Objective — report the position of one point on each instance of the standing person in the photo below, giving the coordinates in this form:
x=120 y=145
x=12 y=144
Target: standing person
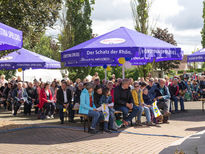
x=47 y=101
x=20 y=96
x=32 y=96
x=124 y=102
x=88 y=107
x=64 y=98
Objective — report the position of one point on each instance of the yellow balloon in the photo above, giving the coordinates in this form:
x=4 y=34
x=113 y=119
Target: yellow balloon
x=109 y=68
x=19 y=69
x=121 y=60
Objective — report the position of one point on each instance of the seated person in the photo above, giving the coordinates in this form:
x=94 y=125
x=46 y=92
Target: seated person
x=174 y=91
x=64 y=98
x=162 y=95
x=182 y=91
x=137 y=95
x=47 y=101
x=107 y=99
x=148 y=102
x=20 y=96
x=124 y=102
x=87 y=106
x=32 y=95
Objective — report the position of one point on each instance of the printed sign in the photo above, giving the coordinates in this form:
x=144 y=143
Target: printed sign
x=113 y=41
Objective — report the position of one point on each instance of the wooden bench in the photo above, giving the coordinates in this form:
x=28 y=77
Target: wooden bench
x=202 y=103
x=86 y=120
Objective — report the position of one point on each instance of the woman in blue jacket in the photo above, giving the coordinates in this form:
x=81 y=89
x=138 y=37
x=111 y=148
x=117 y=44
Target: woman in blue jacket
x=87 y=106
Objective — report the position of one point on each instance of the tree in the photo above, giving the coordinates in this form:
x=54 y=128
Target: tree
x=77 y=29
x=140 y=12
x=164 y=35
x=203 y=29
x=31 y=17
x=45 y=46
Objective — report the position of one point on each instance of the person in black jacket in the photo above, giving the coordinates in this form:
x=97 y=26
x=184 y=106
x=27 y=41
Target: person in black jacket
x=97 y=96
x=32 y=96
x=78 y=91
x=124 y=102
x=64 y=98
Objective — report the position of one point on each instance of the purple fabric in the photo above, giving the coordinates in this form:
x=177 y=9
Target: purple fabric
x=198 y=56
x=122 y=42
x=10 y=38
x=26 y=59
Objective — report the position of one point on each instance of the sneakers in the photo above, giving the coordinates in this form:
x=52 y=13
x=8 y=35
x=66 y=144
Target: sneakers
x=52 y=117
x=47 y=117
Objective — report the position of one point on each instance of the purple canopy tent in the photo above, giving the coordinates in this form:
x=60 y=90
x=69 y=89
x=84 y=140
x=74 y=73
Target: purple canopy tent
x=26 y=59
x=198 y=56
x=10 y=38
x=123 y=42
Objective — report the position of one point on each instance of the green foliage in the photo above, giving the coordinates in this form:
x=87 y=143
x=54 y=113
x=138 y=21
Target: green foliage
x=77 y=29
x=8 y=73
x=203 y=29
x=140 y=11
x=23 y=14
x=164 y=35
x=45 y=46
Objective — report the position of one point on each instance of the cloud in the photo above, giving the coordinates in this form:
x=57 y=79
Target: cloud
x=190 y=17
x=111 y=10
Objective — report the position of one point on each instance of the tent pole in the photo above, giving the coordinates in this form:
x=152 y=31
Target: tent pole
x=105 y=74
x=23 y=75
x=123 y=71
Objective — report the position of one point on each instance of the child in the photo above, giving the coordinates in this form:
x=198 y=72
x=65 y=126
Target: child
x=148 y=103
x=107 y=108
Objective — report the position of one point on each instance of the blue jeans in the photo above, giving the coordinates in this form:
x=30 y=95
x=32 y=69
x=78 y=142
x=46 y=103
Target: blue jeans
x=175 y=99
x=96 y=116
x=111 y=118
x=71 y=112
x=61 y=113
x=125 y=112
x=147 y=113
x=181 y=100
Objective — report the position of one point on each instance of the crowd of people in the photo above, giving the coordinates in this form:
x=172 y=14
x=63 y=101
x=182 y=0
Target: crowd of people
x=100 y=100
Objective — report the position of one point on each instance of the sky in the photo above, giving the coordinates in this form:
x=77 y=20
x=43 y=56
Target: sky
x=183 y=18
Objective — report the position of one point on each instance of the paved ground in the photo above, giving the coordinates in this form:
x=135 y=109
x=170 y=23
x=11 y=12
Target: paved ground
x=71 y=139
